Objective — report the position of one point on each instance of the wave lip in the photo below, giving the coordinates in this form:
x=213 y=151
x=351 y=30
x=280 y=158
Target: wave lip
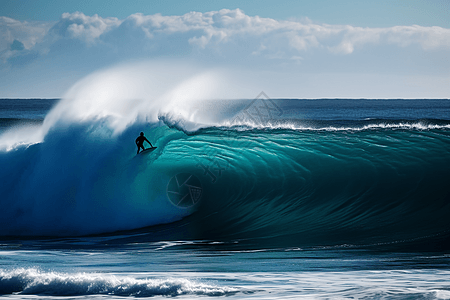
x=34 y=282
x=342 y=125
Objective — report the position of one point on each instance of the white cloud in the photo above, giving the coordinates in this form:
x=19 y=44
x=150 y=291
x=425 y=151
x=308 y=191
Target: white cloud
x=427 y=37
x=85 y=28
x=221 y=28
x=77 y=41
x=27 y=33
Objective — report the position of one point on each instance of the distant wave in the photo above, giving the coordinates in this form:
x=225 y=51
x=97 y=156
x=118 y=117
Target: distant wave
x=6 y=123
x=339 y=125
x=34 y=282
x=309 y=125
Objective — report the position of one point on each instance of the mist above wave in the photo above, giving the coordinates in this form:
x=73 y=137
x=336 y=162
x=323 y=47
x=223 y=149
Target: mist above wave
x=139 y=92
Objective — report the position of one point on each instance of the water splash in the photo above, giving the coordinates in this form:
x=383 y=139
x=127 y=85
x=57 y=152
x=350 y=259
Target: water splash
x=127 y=94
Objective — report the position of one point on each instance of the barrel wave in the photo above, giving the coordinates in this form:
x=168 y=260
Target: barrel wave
x=368 y=185
x=290 y=183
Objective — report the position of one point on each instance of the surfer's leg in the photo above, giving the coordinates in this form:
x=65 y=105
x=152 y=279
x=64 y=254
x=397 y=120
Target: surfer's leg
x=139 y=147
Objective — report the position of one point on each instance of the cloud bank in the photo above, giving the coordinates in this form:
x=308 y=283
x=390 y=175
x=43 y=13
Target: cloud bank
x=78 y=44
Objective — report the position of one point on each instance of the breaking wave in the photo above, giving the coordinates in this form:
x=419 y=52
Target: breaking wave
x=293 y=182
x=34 y=282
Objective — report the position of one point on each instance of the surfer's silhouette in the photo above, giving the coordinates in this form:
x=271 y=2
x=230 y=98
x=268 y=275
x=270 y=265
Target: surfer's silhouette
x=140 y=142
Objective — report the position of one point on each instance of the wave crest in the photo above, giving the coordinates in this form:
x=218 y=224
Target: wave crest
x=34 y=282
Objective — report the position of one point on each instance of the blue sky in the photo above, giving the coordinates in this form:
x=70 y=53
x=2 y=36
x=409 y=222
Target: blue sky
x=295 y=49
x=381 y=13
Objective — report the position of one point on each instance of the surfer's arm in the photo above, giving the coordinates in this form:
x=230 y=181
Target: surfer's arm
x=148 y=142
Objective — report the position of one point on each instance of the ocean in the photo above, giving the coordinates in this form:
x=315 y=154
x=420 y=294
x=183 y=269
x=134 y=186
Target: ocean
x=244 y=199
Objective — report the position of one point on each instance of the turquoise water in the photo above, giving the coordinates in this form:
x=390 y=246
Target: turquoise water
x=315 y=199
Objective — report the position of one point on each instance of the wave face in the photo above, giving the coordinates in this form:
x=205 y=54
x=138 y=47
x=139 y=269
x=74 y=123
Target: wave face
x=369 y=184
x=293 y=181
x=322 y=186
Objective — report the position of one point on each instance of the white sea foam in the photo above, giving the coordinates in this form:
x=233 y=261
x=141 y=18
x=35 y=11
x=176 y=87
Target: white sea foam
x=297 y=125
x=35 y=282
x=371 y=284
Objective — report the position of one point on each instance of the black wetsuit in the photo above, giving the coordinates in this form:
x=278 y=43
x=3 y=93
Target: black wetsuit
x=140 y=142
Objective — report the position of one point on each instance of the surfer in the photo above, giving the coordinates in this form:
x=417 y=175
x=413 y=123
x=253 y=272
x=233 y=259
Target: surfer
x=140 y=142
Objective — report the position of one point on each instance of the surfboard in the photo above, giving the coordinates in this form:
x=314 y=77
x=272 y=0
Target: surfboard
x=148 y=150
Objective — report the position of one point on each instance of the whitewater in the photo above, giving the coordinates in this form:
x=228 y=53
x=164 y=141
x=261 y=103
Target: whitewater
x=244 y=197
